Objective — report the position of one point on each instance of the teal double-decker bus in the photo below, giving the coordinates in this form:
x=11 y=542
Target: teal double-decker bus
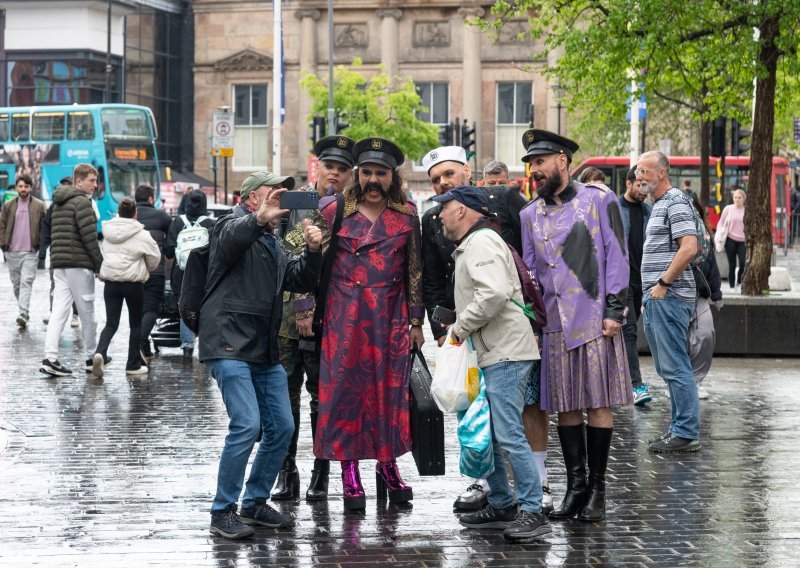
x=47 y=142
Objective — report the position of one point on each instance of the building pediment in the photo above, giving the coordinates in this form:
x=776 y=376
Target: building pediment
x=245 y=60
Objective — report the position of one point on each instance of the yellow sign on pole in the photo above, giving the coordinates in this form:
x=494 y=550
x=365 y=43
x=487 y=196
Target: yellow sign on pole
x=222 y=134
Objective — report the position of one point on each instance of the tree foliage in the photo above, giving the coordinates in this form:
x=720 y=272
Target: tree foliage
x=375 y=106
x=700 y=54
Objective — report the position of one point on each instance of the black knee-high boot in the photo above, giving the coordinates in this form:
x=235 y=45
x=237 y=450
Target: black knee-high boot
x=287 y=486
x=598 y=445
x=318 y=488
x=573 y=446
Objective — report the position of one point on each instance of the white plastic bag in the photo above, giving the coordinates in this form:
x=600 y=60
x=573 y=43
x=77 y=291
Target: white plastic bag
x=456 y=377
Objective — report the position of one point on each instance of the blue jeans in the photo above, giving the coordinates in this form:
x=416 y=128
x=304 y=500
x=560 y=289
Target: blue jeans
x=187 y=337
x=666 y=324
x=505 y=388
x=255 y=396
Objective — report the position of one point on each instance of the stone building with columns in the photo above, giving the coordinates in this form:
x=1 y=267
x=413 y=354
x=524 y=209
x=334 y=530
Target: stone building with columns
x=459 y=73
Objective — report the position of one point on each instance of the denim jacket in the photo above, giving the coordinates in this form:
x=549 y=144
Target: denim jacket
x=626 y=216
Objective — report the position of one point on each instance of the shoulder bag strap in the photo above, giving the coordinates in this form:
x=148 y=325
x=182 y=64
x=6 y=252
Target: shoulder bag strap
x=325 y=277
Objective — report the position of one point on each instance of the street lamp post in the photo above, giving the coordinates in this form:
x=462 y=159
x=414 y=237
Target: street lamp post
x=223 y=108
x=559 y=92
x=331 y=109
x=108 y=55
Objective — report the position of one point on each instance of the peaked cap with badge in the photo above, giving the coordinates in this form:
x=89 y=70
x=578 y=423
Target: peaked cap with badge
x=542 y=142
x=378 y=151
x=336 y=149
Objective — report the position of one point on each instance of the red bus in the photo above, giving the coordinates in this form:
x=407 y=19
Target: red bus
x=737 y=174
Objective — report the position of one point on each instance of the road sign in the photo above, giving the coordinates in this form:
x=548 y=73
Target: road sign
x=222 y=134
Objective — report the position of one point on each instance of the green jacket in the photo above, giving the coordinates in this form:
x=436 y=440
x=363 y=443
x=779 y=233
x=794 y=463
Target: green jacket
x=74 y=231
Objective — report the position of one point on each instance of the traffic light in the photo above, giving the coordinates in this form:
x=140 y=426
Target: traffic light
x=737 y=135
x=317 y=126
x=718 y=136
x=468 y=138
x=339 y=125
x=446 y=135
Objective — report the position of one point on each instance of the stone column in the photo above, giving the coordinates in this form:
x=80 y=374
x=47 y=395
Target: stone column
x=308 y=64
x=472 y=73
x=390 y=38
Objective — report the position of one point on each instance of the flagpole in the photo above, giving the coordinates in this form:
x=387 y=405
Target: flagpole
x=277 y=82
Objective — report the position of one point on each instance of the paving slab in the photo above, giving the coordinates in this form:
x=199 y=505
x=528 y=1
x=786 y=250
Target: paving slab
x=121 y=472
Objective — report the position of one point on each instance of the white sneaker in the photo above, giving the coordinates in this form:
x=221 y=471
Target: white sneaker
x=702 y=393
x=98 y=365
x=140 y=371
x=76 y=321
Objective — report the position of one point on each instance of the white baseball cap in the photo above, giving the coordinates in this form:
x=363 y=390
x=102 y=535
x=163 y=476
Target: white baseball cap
x=444 y=154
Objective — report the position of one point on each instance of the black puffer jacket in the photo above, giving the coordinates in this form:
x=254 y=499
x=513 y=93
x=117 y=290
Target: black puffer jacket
x=437 y=261
x=244 y=310
x=73 y=233
x=157 y=222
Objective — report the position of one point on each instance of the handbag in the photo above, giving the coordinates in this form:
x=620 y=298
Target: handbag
x=721 y=236
x=475 y=436
x=456 y=377
x=426 y=421
x=325 y=277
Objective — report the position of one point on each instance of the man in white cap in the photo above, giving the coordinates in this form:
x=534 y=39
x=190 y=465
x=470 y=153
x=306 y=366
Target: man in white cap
x=448 y=168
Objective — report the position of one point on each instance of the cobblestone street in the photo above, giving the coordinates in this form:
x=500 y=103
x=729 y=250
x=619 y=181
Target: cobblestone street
x=121 y=472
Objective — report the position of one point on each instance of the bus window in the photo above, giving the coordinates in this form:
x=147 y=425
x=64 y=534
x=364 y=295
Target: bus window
x=125 y=123
x=47 y=126
x=3 y=127
x=80 y=126
x=20 y=127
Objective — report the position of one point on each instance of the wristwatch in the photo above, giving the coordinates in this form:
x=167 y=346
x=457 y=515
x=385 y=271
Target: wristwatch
x=664 y=284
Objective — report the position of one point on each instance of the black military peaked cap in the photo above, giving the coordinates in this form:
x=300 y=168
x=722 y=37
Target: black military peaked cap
x=336 y=149
x=540 y=142
x=378 y=151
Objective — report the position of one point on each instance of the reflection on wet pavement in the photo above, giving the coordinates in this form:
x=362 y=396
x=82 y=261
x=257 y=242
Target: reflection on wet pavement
x=120 y=472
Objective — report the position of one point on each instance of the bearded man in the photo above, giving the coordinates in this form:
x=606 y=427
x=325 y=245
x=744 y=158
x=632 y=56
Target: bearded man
x=373 y=315
x=573 y=239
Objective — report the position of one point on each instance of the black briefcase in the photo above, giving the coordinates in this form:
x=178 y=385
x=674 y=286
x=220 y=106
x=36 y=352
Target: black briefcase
x=427 y=421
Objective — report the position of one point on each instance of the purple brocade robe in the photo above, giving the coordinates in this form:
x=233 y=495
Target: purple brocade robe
x=579 y=255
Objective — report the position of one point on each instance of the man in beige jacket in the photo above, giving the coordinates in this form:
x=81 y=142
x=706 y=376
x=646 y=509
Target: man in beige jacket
x=486 y=281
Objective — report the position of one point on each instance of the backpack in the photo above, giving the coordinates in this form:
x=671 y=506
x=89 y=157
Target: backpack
x=704 y=245
x=194 y=289
x=192 y=236
x=531 y=293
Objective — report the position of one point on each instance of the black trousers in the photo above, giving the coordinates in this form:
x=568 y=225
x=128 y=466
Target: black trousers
x=114 y=293
x=734 y=250
x=630 y=333
x=153 y=297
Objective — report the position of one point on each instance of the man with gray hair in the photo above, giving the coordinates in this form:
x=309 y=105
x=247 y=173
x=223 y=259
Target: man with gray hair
x=496 y=173
x=669 y=293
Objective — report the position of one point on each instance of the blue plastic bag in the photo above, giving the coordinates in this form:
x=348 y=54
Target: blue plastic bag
x=475 y=437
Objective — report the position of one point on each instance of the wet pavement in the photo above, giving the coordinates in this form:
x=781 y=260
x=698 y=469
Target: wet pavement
x=121 y=472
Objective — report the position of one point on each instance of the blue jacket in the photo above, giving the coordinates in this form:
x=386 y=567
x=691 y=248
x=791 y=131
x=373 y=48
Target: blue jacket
x=626 y=216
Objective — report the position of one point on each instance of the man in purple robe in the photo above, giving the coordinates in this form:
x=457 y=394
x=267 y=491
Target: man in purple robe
x=573 y=238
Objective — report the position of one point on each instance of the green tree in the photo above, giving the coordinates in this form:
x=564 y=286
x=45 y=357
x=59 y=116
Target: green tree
x=375 y=107
x=702 y=54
